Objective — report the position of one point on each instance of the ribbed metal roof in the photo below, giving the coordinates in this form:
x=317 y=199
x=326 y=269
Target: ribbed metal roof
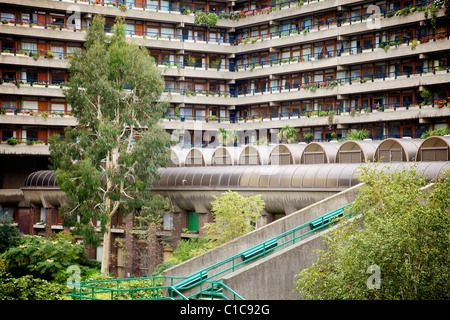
x=286 y=153
x=357 y=151
x=255 y=155
x=301 y=176
x=434 y=148
x=226 y=156
x=41 y=179
x=320 y=152
x=396 y=149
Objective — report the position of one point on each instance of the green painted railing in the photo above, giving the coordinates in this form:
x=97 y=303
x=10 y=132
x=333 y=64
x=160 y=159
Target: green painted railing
x=209 y=282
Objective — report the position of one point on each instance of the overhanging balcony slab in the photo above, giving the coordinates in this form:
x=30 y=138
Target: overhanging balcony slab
x=28 y=90
x=25 y=60
x=24 y=149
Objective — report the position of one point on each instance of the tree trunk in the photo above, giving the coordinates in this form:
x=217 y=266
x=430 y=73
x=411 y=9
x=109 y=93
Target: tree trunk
x=106 y=250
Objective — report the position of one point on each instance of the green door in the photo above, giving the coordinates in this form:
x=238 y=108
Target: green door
x=193 y=221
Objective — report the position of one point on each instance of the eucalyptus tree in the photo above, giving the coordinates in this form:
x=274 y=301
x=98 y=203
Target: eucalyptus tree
x=107 y=162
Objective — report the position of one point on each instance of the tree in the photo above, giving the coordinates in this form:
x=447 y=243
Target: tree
x=106 y=164
x=234 y=215
x=288 y=133
x=402 y=231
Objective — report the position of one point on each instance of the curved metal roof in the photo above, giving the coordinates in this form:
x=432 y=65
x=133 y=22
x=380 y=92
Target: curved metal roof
x=199 y=157
x=357 y=151
x=286 y=154
x=301 y=176
x=320 y=152
x=397 y=149
x=41 y=179
x=255 y=155
x=435 y=148
x=226 y=156
x=177 y=156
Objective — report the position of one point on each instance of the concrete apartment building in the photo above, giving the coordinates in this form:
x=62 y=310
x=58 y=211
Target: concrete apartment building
x=323 y=67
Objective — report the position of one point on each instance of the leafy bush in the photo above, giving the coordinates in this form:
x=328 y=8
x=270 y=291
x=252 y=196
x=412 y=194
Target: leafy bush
x=47 y=259
x=30 y=288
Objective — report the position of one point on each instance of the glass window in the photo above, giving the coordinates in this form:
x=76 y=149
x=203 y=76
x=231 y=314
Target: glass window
x=168 y=221
x=6 y=214
x=29 y=46
x=42 y=215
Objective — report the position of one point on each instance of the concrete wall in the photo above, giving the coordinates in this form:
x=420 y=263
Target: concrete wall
x=274 y=277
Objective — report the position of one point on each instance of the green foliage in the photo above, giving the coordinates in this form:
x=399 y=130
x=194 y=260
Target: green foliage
x=436 y=132
x=401 y=229
x=426 y=95
x=227 y=137
x=234 y=215
x=125 y=284
x=9 y=237
x=12 y=141
x=354 y=134
x=308 y=135
x=163 y=266
x=288 y=133
x=47 y=259
x=209 y=19
x=187 y=249
x=28 y=287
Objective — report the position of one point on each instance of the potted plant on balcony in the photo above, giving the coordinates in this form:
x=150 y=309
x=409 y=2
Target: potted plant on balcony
x=190 y=61
x=308 y=136
x=215 y=64
x=288 y=134
x=212 y=118
x=12 y=141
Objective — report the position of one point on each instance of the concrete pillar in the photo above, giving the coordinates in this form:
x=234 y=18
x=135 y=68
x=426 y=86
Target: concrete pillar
x=25 y=220
x=179 y=222
x=203 y=217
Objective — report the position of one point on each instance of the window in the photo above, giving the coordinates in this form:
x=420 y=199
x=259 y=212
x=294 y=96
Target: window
x=42 y=216
x=58 y=50
x=29 y=46
x=99 y=252
x=8 y=16
x=168 y=221
x=6 y=214
x=58 y=107
x=129 y=28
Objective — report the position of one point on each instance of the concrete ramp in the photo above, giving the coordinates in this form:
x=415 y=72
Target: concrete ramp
x=260 y=235
x=273 y=277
